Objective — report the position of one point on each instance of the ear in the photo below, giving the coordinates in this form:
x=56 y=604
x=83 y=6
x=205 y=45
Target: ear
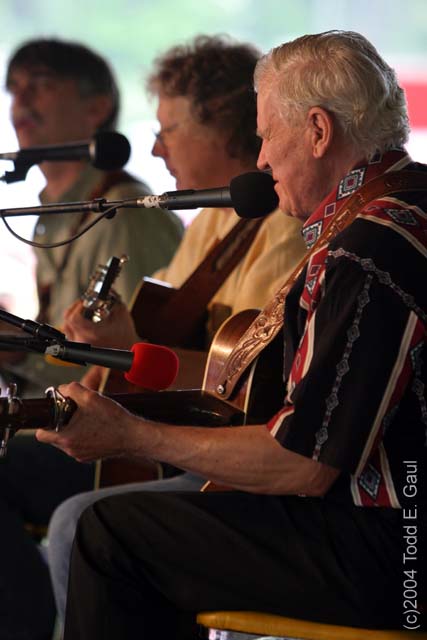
x=321 y=127
x=98 y=108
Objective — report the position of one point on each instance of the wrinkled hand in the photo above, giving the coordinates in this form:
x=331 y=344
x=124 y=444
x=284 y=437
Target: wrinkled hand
x=117 y=331
x=99 y=428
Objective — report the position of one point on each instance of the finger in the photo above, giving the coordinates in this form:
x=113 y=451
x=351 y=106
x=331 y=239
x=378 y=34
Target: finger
x=77 y=305
x=73 y=390
x=46 y=436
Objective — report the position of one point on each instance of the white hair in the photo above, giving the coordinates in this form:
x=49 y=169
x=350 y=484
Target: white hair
x=342 y=72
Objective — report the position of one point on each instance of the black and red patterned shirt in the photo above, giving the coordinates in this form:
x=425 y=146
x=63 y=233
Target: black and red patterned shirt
x=355 y=352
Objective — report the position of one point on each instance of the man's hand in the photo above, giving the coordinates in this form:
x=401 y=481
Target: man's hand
x=117 y=331
x=100 y=428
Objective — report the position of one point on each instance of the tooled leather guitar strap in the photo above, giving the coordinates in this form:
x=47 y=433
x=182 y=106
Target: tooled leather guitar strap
x=108 y=182
x=270 y=320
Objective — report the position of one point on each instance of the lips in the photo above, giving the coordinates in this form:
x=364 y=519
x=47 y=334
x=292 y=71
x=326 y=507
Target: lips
x=24 y=123
x=25 y=119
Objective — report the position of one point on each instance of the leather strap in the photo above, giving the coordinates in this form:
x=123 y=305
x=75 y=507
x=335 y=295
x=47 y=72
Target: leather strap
x=270 y=320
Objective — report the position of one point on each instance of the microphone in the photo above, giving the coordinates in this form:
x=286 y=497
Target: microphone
x=108 y=150
x=147 y=365
x=251 y=194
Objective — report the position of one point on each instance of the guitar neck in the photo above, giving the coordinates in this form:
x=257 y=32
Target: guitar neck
x=188 y=407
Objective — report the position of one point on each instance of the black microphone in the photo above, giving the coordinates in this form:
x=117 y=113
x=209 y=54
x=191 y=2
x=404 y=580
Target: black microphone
x=108 y=150
x=84 y=353
x=251 y=194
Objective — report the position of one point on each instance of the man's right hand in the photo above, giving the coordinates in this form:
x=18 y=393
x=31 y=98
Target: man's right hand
x=117 y=331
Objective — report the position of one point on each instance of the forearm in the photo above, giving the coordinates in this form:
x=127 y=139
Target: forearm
x=246 y=458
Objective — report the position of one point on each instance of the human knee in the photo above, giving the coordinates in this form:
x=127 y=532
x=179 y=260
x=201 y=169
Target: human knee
x=65 y=517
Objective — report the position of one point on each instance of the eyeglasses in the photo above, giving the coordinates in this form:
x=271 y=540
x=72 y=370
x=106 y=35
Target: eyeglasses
x=159 y=135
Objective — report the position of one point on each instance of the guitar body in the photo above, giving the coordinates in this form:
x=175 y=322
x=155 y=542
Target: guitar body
x=168 y=316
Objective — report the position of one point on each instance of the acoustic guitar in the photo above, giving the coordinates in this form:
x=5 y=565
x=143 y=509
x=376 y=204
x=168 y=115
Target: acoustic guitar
x=256 y=397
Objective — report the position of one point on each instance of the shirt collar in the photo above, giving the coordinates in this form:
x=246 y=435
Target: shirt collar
x=392 y=160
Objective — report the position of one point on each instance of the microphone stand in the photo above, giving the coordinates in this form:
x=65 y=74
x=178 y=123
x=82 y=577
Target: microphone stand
x=50 y=341
x=21 y=168
x=43 y=332
x=99 y=205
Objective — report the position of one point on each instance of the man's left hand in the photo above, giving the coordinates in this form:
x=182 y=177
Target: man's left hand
x=100 y=428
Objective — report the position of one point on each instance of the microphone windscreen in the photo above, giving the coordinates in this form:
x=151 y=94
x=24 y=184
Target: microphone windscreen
x=111 y=150
x=253 y=194
x=153 y=367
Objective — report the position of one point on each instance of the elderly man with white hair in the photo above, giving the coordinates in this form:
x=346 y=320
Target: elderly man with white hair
x=314 y=526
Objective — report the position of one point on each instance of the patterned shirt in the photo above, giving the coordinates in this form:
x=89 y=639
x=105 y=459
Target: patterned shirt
x=355 y=356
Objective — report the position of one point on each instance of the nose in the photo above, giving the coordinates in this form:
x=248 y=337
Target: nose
x=262 y=163
x=159 y=149
x=21 y=94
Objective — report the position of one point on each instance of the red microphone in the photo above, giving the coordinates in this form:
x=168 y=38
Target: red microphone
x=153 y=367
x=147 y=365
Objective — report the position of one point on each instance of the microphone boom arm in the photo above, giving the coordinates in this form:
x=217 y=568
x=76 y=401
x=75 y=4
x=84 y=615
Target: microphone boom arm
x=99 y=205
